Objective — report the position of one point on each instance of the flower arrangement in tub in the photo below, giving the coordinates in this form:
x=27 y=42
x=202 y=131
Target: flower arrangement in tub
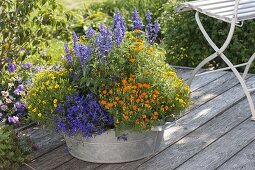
x=111 y=79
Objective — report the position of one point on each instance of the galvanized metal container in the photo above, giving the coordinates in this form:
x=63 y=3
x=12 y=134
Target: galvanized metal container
x=107 y=148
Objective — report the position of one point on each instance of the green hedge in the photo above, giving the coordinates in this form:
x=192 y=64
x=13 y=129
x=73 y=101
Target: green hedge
x=186 y=45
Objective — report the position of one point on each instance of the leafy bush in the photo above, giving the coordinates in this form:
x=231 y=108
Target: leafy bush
x=186 y=45
x=27 y=25
x=49 y=88
x=14 y=149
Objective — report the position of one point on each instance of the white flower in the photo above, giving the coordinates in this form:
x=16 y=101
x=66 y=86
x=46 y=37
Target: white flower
x=8 y=101
x=5 y=93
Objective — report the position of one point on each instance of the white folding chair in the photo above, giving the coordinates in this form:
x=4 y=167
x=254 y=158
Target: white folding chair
x=233 y=12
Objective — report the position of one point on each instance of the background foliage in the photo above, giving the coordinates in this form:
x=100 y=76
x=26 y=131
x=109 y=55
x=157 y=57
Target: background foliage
x=186 y=45
x=27 y=26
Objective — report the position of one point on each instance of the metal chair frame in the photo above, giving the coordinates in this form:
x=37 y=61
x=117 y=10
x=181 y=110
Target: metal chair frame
x=219 y=53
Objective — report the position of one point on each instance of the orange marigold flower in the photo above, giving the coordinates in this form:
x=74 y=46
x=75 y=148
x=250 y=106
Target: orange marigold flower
x=115 y=103
x=124 y=81
x=147 y=105
x=103 y=102
x=139 y=85
x=137 y=100
x=135 y=107
x=104 y=91
x=144 y=116
x=124 y=107
x=137 y=122
x=125 y=117
x=155 y=113
x=131 y=112
x=133 y=91
x=117 y=98
x=146 y=86
x=121 y=102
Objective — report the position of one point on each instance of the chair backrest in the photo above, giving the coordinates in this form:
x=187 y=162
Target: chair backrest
x=226 y=10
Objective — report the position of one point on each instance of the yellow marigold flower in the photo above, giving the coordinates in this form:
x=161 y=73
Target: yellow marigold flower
x=56 y=86
x=43 y=102
x=111 y=91
x=132 y=60
x=55 y=101
x=29 y=107
x=47 y=83
x=52 y=76
x=34 y=110
x=55 y=105
x=39 y=115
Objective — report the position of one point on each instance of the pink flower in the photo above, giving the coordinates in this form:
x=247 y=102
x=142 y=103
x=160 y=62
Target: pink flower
x=4 y=107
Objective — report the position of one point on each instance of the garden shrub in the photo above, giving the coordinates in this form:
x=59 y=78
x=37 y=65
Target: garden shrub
x=26 y=26
x=186 y=45
x=14 y=149
x=49 y=88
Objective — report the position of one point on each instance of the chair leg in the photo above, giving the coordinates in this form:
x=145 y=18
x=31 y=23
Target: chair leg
x=241 y=80
x=247 y=68
x=205 y=61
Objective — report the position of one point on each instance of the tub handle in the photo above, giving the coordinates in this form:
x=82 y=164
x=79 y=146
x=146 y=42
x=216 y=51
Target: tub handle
x=166 y=126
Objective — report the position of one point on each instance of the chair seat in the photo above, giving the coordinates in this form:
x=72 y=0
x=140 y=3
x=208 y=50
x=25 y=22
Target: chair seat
x=221 y=9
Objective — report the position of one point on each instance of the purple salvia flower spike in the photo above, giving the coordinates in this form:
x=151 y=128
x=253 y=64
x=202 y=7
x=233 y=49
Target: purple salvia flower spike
x=148 y=17
x=118 y=35
x=66 y=48
x=90 y=32
x=137 y=22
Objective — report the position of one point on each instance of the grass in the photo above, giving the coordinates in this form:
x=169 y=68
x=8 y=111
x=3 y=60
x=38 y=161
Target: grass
x=77 y=4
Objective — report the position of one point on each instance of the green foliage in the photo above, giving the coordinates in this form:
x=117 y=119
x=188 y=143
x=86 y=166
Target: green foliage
x=186 y=45
x=82 y=19
x=146 y=91
x=14 y=149
x=27 y=25
x=109 y=7
x=49 y=88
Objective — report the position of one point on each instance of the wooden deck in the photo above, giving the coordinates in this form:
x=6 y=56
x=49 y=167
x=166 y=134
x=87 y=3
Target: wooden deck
x=215 y=133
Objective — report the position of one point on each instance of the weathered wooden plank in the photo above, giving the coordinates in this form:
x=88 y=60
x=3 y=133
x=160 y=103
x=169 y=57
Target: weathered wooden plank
x=76 y=164
x=243 y=160
x=213 y=89
x=204 y=113
x=183 y=73
x=196 y=141
x=203 y=80
x=200 y=116
x=51 y=159
x=43 y=139
x=224 y=148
